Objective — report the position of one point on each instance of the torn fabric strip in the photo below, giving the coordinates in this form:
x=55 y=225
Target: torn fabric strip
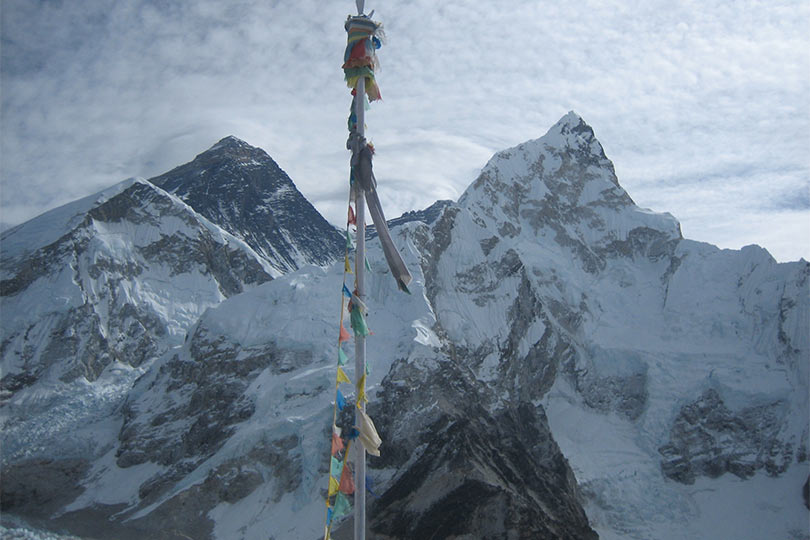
x=369 y=438
x=361 y=164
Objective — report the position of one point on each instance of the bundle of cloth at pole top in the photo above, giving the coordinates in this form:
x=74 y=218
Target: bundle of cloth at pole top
x=360 y=58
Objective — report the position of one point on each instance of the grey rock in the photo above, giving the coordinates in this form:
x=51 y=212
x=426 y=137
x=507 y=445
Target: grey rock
x=709 y=439
x=470 y=472
x=40 y=487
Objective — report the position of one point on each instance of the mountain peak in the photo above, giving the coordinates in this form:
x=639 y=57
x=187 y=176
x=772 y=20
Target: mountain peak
x=242 y=189
x=572 y=132
x=231 y=142
x=234 y=148
x=571 y=118
x=561 y=184
x=568 y=154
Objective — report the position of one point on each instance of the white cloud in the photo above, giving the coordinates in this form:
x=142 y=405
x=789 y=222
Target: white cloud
x=702 y=106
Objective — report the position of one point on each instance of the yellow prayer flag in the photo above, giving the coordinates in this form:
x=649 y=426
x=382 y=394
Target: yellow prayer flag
x=341 y=376
x=334 y=486
x=361 y=391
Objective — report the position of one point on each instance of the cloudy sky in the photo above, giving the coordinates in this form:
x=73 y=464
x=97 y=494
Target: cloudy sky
x=703 y=106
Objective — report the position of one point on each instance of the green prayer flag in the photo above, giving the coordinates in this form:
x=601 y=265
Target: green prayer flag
x=342 y=358
x=342 y=506
x=359 y=323
x=337 y=467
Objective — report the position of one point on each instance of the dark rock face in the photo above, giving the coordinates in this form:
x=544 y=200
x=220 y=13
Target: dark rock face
x=468 y=471
x=241 y=189
x=709 y=439
x=40 y=487
x=482 y=489
x=624 y=391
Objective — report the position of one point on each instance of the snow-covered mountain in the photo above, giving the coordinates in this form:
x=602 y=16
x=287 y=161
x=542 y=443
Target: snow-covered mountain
x=567 y=365
x=241 y=189
x=115 y=278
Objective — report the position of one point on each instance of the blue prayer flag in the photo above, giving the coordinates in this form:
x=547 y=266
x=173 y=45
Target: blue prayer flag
x=341 y=401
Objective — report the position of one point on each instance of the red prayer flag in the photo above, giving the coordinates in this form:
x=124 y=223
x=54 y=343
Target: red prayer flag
x=337 y=443
x=344 y=334
x=347 y=479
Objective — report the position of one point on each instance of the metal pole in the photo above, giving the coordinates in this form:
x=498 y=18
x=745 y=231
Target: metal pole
x=360 y=340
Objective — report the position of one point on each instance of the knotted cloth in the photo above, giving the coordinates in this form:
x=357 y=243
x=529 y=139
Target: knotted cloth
x=363 y=174
x=360 y=58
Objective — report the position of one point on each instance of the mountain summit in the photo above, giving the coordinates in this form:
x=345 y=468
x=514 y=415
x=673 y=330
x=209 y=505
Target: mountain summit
x=244 y=191
x=563 y=187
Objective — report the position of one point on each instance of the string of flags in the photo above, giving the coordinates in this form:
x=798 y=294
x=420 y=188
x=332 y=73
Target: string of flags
x=364 y=37
x=359 y=60
x=341 y=480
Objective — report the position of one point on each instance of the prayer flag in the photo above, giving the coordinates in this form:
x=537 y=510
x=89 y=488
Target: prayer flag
x=337 y=468
x=334 y=486
x=347 y=480
x=358 y=322
x=361 y=391
x=342 y=358
x=344 y=334
x=337 y=442
x=341 y=376
x=341 y=401
x=342 y=506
